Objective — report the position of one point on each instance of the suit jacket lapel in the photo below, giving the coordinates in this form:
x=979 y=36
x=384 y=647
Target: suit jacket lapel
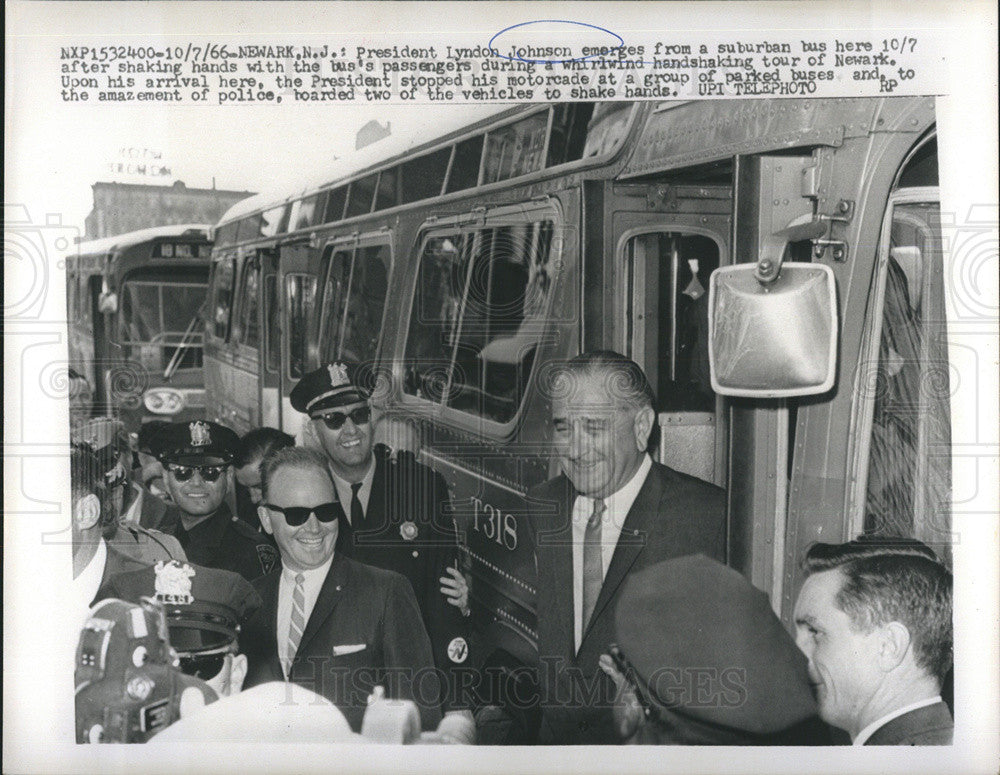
x=329 y=596
x=555 y=538
x=376 y=513
x=631 y=542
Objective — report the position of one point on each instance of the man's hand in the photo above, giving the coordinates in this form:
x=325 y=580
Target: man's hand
x=456 y=589
x=627 y=711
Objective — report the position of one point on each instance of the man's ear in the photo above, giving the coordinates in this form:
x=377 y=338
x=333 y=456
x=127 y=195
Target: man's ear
x=643 y=427
x=894 y=644
x=87 y=512
x=265 y=520
x=237 y=674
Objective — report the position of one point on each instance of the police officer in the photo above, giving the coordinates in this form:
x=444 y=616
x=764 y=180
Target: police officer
x=196 y=458
x=122 y=500
x=395 y=509
x=205 y=609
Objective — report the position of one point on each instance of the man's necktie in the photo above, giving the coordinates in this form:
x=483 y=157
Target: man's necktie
x=593 y=572
x=297 y=624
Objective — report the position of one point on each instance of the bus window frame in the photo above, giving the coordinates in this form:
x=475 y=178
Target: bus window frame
x=248 y=260
x=863 y=415
x=269 y=320
x=475 y=222
x=213 y=287
x=356 y=243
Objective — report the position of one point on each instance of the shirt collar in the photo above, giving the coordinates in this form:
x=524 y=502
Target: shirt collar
x=310 y=575
x=872 y=728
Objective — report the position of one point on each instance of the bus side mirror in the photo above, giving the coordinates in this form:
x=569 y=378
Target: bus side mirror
x=772 y=339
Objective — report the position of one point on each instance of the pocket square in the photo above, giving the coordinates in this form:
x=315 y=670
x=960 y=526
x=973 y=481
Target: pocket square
x=339 y=651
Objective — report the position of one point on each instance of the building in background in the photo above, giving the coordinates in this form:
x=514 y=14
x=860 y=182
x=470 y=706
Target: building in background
x=124 y=207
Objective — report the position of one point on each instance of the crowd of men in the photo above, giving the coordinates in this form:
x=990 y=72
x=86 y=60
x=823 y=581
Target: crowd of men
x=334 y=569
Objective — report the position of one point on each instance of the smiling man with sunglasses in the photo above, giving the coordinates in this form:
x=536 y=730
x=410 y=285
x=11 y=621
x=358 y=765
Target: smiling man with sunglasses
x=328 y=623
x=395 y=514
x=196 y=458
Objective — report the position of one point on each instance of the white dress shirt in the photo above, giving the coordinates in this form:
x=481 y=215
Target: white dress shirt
x=616 y=509
x=286 y=587
x=875 y=726
x=364 y=492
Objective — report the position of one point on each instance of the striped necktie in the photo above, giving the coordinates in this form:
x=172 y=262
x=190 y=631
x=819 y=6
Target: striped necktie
x=297 y=624
x=593 y=570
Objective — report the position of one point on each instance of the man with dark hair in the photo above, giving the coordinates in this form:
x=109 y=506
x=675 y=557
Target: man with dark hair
x=874 y=620
x=610 y=514
x=197 y=457
x=328 y=623
x=252 y=448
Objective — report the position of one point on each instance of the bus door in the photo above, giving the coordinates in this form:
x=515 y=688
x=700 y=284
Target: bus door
x=297 y=286
x=667 y=241
x=354 y=282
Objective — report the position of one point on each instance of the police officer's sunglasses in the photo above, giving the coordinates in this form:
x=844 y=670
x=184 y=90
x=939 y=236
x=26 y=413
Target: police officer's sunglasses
x=335 y=420
x=206 y=665
x=208 y=473
x=299 y=515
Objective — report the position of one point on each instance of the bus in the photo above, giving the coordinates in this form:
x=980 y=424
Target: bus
x=135 y=303
x=467 y=267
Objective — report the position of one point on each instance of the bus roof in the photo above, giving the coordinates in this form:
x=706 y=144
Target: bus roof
x=119 y=241
x=377 y=153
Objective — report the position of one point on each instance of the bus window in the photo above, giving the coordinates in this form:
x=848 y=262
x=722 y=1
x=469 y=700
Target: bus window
x=272 y=331
x=362 y=193
x=157 y=316
x=569 y=132
x=247 y=330
x=300 y=298
x=444 y=265
x=365 y=303
x=478 y=316
x=516 y=149
x=388 y=193
x=271 y=221
x=306 y=212
x=222 y=297
x=909 y=465
x=423 y=176
x=338 y=279
x=465 y=166
x=667 y=316
x=335 y=202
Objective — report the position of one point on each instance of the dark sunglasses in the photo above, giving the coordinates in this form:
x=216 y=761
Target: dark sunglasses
x=208 y=473
x=335 y=420
x=203 y=666
x=299 y=515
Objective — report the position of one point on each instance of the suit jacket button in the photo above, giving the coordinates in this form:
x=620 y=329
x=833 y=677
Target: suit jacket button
x=416 y=553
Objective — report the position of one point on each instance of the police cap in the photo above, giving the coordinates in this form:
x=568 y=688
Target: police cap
x=205 y=607
x=704 y=643
x=196 y=443
x=336 y=384
x=108 y=439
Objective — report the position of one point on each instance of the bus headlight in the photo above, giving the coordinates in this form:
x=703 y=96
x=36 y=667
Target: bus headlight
x=163 y=401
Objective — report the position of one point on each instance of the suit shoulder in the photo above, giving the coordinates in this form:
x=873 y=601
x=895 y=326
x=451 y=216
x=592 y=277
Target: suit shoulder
x=548 y=489
x=692 y=484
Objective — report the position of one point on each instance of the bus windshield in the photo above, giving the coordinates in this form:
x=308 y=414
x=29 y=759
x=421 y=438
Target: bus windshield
x=160 y=316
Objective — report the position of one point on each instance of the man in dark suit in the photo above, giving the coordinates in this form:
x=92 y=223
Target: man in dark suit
x=874 y=620
x=328 y=623
x=395 y=511
x=611 y=513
